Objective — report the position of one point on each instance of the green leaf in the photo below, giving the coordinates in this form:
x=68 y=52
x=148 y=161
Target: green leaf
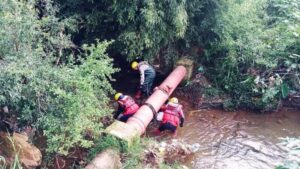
x=284 y=90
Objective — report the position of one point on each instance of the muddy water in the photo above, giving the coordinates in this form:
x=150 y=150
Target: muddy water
x=229 y=140
x=238 y=140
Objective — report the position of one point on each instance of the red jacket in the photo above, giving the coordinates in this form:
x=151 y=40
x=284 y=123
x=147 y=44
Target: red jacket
x=129 y=105
x=172 y=114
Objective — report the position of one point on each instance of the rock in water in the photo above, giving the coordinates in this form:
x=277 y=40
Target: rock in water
x=171 y=151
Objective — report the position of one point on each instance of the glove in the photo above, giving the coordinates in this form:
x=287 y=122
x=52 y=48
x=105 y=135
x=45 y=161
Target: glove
x=181 y=122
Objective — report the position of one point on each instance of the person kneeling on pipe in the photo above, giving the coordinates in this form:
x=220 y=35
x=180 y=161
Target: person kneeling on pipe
x=147 y=73
x=172 y=117
x=127 y=107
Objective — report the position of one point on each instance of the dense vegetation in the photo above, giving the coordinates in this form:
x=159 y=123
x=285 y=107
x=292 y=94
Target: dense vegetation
x=55 y=72
x=62 y=99
x=257 y=51
x=250 y=49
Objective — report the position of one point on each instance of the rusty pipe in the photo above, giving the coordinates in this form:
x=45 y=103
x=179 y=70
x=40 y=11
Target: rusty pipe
x=144 y=115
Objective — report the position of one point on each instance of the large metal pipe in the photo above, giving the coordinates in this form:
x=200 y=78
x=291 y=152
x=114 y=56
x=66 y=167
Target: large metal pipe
x=144 y=115
x=137 y=124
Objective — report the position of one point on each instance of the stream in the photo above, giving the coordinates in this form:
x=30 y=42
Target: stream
x=232 y=140
x=229 y=140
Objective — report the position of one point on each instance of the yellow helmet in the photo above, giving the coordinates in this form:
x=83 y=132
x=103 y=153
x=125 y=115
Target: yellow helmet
x=117 y=96
x=134 y=65
x=174 y=100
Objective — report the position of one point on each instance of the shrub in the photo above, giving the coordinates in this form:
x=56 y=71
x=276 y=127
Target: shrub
x=65 y=100
x=258 y=50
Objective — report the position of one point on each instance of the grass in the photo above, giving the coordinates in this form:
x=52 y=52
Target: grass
x=133 y=157
x=16 y=164
x=107 y=142
x=172 y=166
x=2 y=162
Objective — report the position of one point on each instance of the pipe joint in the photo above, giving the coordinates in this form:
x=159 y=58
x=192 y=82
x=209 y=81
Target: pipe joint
x=151 y=108
x=166 y=90
x=139 y=122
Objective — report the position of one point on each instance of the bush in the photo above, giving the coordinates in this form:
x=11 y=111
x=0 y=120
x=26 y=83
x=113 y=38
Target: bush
x=238 y=41
x=65 y=100
x=257 y=52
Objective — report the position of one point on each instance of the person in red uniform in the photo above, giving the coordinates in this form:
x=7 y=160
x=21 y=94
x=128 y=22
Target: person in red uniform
x=127 y=107
x=172 y=117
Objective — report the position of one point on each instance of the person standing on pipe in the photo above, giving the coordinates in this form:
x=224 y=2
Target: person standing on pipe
x=127 y=107
x=147 y=74
x=172 y=117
